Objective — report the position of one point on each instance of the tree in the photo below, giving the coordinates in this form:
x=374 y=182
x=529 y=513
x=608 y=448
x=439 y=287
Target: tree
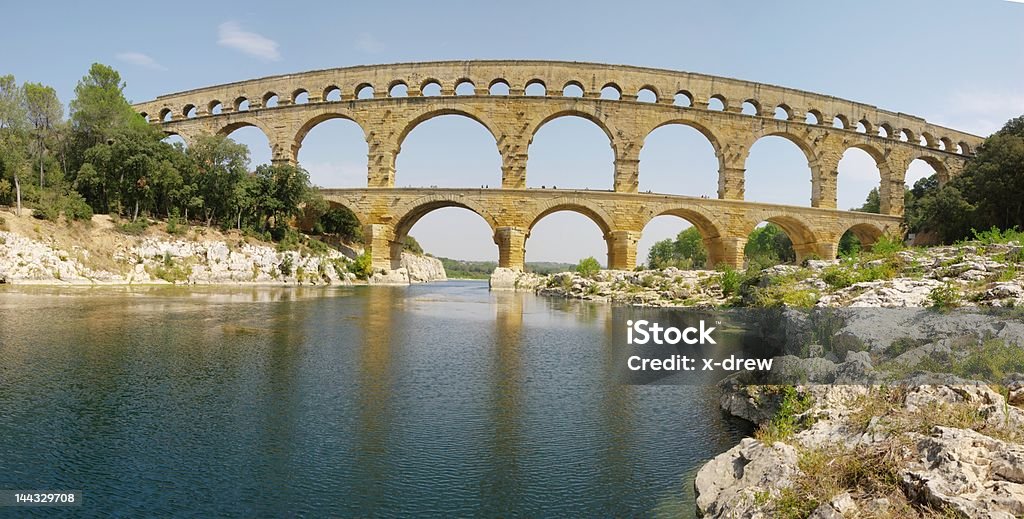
x=587 y=267
x=13 y=124
x=99 y=110
x=686 y=251
x=44 y=113
x=873 y=203
x=219 y=163
x=769 y=245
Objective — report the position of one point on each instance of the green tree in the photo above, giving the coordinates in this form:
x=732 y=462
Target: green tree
x=219 y=164
x=588 y=267
x=873 y=204
x=686 y=251
x=769 y=245
x=45 y=113
x=13 y=128
x=99 y=108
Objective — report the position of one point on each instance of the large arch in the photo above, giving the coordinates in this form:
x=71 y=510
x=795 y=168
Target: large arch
x=550 y=164
x=680 y=145
x=255 y=137
x=772 y=168
x=710 y=233
x=333 y=149
x=801 y=236
x=858 y=172
x=448 y=149
x=567 y=234
x=412 y=212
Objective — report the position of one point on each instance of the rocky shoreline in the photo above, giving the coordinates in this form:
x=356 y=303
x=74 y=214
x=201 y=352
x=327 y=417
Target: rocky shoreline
x=36 y=252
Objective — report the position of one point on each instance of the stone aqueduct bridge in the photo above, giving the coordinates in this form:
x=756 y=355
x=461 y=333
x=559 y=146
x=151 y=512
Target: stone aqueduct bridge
x=823 y=127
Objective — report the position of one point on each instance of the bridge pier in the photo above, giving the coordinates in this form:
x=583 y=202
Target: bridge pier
x=815 y=250
x=511 y=242
x=724 y=251
x=622 y=249
x=377 y=242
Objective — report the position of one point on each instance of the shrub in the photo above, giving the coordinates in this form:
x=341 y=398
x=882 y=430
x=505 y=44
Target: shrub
x=995 y=235
x=411 y=245
x=730 y=281
x=887 y=245
x=136 y=228
x=944 y=297
x=286 y=265
x=786 y=420
x=174 y=226
x=588 y=267
x=48 y=207
x=362 y=266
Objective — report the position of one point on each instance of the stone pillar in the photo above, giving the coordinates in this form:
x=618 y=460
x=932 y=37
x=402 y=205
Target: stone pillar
x=815 y=250
x=284 y=151
x=732 y=166
x=824 y=175
x=724 y=251
x=627 y=167
x=377 y=240
x=511 y=242
x=622 y=249
x=730 y=183
x=891 y=190
x=513 y=171
x=381 y=166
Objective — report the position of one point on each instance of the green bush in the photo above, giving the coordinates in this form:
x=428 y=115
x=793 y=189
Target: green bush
x=136 y=228
x=588 y=267
x=730 y=281
x=887 y=245
x=286 y=265
x=945 y=297
x=174 y=223
x=362 y=266
x=995 y=235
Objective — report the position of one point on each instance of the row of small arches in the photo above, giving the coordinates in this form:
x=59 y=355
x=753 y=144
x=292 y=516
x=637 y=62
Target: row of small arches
x=611 y=91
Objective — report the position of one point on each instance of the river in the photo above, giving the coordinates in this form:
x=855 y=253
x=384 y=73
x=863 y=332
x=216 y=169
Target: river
x=443 y=399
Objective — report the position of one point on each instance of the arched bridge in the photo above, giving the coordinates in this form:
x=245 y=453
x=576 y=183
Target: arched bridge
x=513 y=99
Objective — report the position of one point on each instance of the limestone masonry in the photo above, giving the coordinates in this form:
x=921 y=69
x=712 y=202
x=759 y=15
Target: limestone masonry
x=823 y=127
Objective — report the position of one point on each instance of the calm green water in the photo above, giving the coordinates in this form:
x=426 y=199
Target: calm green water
x=431 y=400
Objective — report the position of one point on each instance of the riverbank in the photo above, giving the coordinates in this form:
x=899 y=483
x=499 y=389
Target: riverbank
x=106 y=252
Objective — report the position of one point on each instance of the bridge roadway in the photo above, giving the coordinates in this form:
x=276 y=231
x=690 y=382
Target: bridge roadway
x=388 y=214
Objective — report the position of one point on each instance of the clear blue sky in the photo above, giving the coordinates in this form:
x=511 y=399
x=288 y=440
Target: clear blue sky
x=958 y=63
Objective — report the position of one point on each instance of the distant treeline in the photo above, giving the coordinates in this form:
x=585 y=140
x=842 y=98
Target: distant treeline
x=460 y=269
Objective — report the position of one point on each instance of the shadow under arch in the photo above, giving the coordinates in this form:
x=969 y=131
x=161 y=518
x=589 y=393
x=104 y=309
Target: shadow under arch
x=416 y=210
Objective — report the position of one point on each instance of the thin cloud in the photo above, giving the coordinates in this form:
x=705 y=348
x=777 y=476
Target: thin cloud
x=368 y=44
x=139 y=59
x=231 y=35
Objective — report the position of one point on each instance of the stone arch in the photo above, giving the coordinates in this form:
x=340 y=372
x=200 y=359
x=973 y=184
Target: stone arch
x=416 y=121
x=941 y=171
x=536 y=81
x=865 y=232
x=256 y=123
x=575 y=112
x=711 y=230
x=350 y=206
x=296 y=93
x=408 y=214
x=326 y=115
x=704 y=130
x=801 y=234
x=577 y=205
x=188 y=111
x=267 y=97
x=801 y=143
